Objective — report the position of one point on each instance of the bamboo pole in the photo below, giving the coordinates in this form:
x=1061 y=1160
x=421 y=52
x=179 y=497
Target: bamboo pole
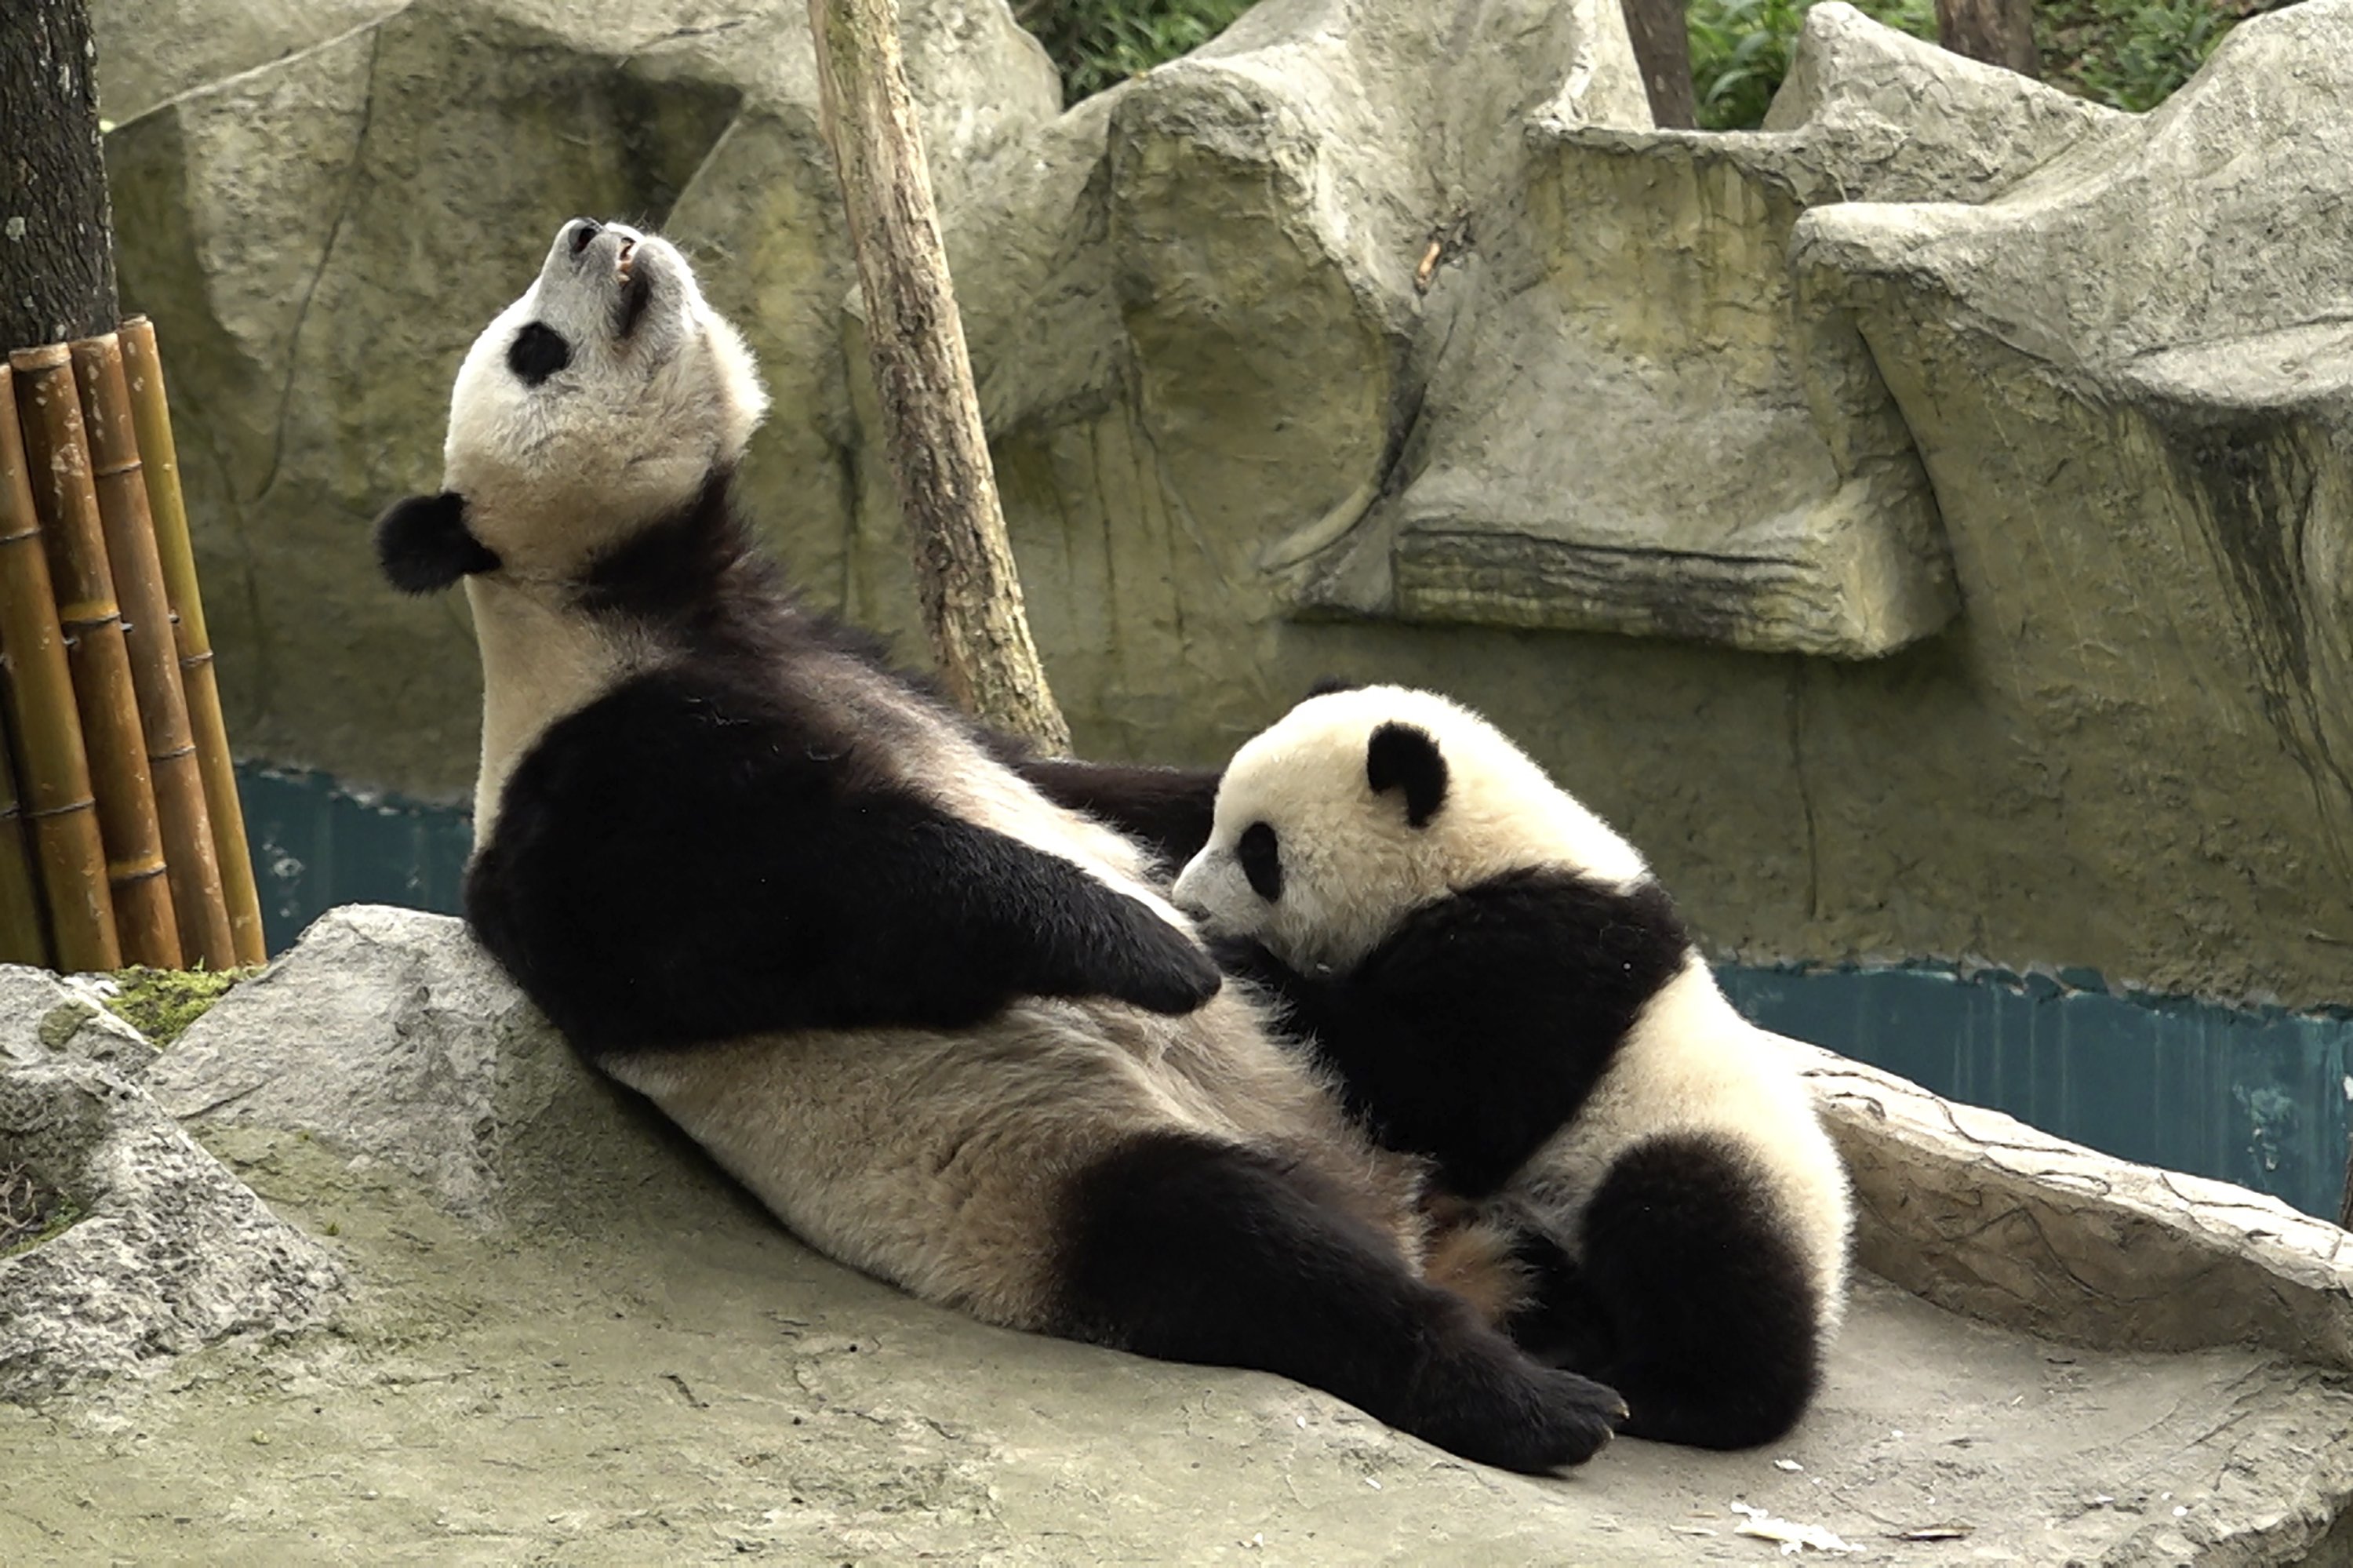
x=190 y=868
x=46 y=724
x=22 y=940
x=965 y=573
x=59 y=458
x=150 y=414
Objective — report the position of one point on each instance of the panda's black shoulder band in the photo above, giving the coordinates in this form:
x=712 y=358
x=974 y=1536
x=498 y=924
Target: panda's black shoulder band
x=424 y=546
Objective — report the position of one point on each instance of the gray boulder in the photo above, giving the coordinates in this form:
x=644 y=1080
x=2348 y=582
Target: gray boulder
x=572 y=1339
x=161 y=1250
x=394 y=1040
x=47 y=1018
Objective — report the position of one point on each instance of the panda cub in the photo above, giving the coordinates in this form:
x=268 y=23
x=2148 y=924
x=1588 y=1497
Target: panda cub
x=946 y=1028
x=1504 y=989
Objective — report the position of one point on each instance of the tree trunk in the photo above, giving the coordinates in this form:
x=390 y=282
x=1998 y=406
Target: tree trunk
x=922 y=378
x=56 y=250
x=1999 y=32
x=1663 y=48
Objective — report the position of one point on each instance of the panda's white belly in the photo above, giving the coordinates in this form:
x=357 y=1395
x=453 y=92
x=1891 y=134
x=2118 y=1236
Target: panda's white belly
x=940 y=1160
x=1692 y=1064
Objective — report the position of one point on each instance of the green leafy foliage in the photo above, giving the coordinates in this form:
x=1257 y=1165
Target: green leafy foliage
x=1097 y=43
x=2127 y=55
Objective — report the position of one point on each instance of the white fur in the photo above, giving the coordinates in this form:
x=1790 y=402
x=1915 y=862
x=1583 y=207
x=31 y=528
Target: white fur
x=553 y=473
x=628 y=430
x=1353 y=867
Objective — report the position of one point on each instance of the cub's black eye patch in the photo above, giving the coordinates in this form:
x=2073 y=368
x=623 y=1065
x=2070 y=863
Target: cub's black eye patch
x=1261 y=859
x=537 y=352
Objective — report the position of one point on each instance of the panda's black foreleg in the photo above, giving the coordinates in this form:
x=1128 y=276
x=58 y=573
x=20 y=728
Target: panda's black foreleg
x=1192 y=1250
x=1693 y=1302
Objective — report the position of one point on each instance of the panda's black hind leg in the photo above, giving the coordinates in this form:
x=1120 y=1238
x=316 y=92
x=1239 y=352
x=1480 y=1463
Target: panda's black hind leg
x=1192 y=1250
x=1690 y=1300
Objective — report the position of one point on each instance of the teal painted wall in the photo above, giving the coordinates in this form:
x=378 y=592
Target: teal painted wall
x=2253 y=1096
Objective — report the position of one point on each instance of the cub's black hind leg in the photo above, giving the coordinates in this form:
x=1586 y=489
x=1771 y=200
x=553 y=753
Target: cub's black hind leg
x=1710 y=1312
x=1191 y=1250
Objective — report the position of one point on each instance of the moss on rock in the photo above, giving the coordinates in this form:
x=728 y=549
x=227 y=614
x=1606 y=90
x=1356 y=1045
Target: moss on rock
x=161 y=1003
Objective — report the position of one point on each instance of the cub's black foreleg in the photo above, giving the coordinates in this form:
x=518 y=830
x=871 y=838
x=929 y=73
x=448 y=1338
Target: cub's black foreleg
x=1192 y=1250
x=1689 y=1299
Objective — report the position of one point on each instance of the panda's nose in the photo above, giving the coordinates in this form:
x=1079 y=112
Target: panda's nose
x=579 y=232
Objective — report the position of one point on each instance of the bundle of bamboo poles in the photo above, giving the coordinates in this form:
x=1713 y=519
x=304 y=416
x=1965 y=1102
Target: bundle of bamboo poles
x=121 y=839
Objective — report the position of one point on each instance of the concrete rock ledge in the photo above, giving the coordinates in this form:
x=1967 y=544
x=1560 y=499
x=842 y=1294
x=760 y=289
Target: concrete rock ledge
x=161 y=1251
x=566 y=1337
x=1980 y=1213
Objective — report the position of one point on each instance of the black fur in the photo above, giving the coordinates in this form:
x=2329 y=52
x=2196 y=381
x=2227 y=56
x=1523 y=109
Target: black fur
x=1478 y=1025
x=1170 y=809
x=538 y=352
x=1190 y=1250
x=1701 y=1311
x=1402 y=755
x=423 y=544
x=708 y=851
x=1260 y=855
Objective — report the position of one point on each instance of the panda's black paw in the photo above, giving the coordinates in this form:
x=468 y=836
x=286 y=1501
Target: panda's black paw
x=1507 y=1411
x=1159 y=968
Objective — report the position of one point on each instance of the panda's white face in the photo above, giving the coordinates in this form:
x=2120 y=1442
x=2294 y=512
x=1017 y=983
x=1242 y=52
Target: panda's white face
x=604 y=397
x=1360 y=806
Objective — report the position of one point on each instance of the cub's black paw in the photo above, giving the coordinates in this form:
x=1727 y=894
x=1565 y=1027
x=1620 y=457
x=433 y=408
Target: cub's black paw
x=1506 y=1411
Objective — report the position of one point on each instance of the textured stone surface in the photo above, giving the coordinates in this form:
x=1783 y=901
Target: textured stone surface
x=150 y=50
x=591 y=1349
x=47 y=1018
x=169 y=1252
x=1982 y=1213
x=395 y=1040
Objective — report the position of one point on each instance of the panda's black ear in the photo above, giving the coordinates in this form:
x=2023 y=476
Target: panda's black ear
x=1403 y=756
x=424 y=546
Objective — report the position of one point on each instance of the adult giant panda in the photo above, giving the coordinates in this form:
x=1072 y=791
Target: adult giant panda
x=946 y=1029
x=1504 y=988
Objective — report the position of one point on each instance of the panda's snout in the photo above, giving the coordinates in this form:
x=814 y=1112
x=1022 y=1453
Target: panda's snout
x=579 y=232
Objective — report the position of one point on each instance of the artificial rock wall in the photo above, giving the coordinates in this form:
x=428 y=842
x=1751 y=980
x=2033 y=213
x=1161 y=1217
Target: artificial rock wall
x=1922 y=524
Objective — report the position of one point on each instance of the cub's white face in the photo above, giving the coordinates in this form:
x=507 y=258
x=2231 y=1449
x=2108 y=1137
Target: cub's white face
x=1357 y=807
x=601 y=399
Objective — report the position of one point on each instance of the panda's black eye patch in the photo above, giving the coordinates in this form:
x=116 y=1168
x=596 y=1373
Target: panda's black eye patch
x=537 y=352
x=1261 y=859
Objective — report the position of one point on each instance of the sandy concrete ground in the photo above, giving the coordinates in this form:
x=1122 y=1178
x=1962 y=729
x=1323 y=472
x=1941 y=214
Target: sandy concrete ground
x=648 y=1370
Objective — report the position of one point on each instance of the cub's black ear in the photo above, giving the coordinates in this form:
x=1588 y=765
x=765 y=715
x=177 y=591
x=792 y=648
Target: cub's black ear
x=423 y=544
x=1327 y=685
x=1402 y=755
